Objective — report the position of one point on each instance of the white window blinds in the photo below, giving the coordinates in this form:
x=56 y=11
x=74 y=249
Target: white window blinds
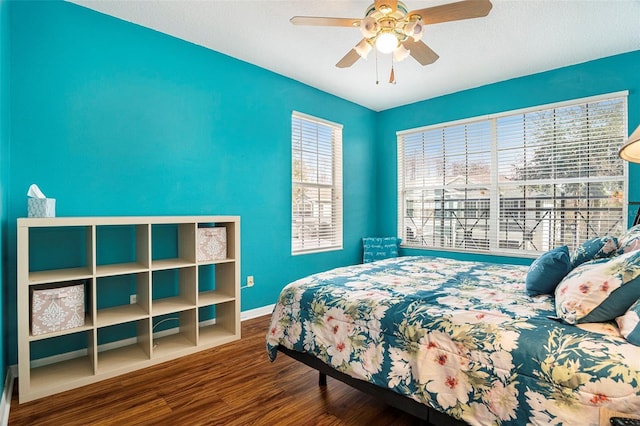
x=525 y=181
x=316 y=199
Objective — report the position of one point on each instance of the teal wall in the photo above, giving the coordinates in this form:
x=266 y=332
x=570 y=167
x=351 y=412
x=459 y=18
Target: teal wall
x=612 y=74
x=112 y=118
x=5 y=134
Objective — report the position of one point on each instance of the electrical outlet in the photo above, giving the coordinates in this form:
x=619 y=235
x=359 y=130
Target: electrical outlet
x=133 y=299
x=250 y=281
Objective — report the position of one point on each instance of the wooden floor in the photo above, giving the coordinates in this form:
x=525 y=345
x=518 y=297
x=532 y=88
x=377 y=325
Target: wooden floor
x=231 y=385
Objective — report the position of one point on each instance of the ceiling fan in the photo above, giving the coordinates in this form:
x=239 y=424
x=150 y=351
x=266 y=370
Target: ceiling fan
x=391 y=28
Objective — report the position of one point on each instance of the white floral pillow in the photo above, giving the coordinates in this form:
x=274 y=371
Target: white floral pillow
x=629 y=240
x=600 y=290
x=629 y=324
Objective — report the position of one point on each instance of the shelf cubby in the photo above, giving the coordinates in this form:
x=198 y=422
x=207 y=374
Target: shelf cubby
x=217 y=323
x=136 y=349
x=117 y=244
x=51 y=249
x=51 y=372
x=173 y=244
x=88 y=304
x=175 y=339
x=69 y=370
x=113 y=298
x=173 y=290
x=214 y=283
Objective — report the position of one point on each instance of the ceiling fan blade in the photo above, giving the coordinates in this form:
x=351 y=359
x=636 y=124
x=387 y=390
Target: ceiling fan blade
x=349 y=59
x=453 y=11
x=325 y=22
x=420 y=51
x=390 y=5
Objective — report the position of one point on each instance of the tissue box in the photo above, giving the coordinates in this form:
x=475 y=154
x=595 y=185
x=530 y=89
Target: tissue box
x=41 y=207
x=56 y=309
x=212 y=243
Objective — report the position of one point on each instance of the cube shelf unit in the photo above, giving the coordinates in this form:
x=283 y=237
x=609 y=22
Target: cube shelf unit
x=181 y=305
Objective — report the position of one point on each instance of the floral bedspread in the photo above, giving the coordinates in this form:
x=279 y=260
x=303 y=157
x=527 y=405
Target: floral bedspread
x=461 y=337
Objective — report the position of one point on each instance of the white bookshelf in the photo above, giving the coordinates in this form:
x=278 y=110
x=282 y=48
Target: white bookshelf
x=156 y=260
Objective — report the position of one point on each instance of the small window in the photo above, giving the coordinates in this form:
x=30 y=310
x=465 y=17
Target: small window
x=316 y=178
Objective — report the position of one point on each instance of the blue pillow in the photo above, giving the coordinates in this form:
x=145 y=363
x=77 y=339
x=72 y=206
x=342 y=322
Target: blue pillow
x=599 y=290
x=547 y=271
x=629 y=324
x=595 y=248
x=377 y=248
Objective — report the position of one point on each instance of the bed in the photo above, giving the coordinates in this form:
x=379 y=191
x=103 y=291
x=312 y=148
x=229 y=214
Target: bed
x=457 y=337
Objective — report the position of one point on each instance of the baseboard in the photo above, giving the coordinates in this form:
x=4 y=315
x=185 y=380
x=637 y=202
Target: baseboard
x=257 y=312
x=7 y=394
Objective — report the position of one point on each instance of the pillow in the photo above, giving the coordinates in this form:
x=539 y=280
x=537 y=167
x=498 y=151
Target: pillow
x=599 y=290
x=629 y=324
x=629 y=240
x=595 y=248
x=547 y=271
x=379 y=248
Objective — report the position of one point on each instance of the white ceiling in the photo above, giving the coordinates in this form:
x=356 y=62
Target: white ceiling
x=517 y=38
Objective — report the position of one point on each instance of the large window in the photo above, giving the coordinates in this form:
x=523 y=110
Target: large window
x=523 y=181
x=316 y=177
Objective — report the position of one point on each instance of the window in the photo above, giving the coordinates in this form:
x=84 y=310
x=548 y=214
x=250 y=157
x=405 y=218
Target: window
x=523 y=181
x=316 y=177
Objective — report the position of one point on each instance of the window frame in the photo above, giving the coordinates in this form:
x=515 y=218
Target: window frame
x=310 y=222
x=495 y=219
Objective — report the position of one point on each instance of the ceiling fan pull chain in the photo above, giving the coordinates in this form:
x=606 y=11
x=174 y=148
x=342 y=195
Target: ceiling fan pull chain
x=377 y=79
x=392 y=76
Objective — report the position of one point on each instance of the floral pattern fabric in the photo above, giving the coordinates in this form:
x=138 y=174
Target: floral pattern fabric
x=600 y=290
x=629 y=323
x=461 y=337
x=57 y=309
x=629 y=240
x=595 y=248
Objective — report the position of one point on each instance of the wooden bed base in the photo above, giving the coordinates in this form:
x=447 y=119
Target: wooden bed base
x=391 y=398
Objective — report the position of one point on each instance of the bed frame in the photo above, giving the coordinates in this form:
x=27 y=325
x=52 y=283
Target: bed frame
x=403 y=403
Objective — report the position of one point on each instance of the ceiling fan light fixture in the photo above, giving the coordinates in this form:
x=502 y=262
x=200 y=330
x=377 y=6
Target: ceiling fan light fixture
x=409 y=28
x=385 y=9
x=369 y=27
x=417 y=31
x=401 y=53
x=363 y=48
x=386 y=42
